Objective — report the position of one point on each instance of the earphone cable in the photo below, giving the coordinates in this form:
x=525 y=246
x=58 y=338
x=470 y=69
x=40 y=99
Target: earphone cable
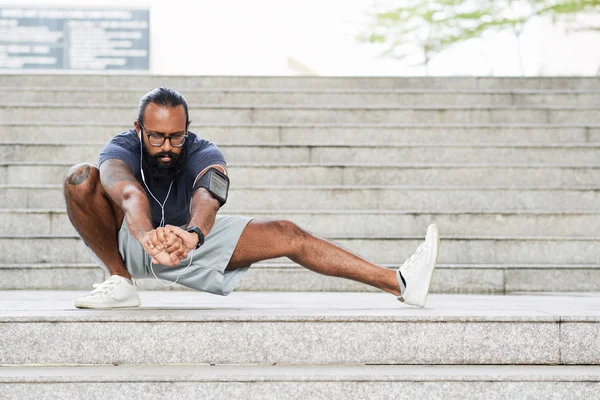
x=162 y=220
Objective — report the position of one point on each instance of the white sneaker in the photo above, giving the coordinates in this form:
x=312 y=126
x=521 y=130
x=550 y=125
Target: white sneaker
x=418 y=269
x=114 y=292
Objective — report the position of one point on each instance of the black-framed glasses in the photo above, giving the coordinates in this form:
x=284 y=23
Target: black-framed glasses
x=158 y=140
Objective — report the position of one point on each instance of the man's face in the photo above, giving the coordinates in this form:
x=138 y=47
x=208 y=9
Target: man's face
x=165 y=121
x=163 y=163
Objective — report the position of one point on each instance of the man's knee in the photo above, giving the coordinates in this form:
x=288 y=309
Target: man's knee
x=287 y=229
x=81 y=181
x=292 y=235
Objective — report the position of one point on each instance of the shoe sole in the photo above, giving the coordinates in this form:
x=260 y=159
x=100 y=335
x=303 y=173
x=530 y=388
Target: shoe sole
x=121 y=304
x=432 y=234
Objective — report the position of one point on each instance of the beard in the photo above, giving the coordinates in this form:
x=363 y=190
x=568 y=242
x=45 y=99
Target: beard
x=162 y=174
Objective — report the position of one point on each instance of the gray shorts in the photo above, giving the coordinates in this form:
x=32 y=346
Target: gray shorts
x=207 y=270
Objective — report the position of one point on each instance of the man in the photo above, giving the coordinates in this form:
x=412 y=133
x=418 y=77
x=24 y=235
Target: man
x=150 y=210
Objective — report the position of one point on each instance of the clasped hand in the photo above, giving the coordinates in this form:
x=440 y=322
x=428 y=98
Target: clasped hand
x=169 y=245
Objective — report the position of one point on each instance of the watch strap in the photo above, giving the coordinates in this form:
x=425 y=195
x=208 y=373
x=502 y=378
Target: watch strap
x=198 y=232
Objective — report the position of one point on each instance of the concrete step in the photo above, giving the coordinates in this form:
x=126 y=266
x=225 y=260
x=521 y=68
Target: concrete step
x=516 y=175
x=351 y=154
x=411 y=97
x=34 y=248
x=338 y=134
x=182 y=83
x=126 y=113
x=413 y=199
x=290 y=277
x=301 y=328
x=363 y=222
x=302 y=381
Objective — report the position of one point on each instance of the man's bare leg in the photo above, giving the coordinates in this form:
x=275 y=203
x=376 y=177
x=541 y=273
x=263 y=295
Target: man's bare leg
x=263 y=240
x=94 y=215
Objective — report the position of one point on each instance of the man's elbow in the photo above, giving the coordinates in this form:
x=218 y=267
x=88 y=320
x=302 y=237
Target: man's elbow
x=131 y=195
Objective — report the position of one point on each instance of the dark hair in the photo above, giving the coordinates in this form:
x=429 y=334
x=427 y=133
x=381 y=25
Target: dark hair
x=166 y=97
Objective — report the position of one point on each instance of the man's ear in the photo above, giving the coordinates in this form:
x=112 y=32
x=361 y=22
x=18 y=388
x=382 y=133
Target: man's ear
x=138 y=129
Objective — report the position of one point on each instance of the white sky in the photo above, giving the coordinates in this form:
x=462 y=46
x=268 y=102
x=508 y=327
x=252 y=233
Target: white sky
x=256 y=37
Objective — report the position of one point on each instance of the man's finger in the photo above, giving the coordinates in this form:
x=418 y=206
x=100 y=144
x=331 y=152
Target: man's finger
x=164 y=259
x=177 y=245
x=155 y=241
x=171 y=239
x=181 y=253
x=177 y=231
x=160 y=233
x=189 y=239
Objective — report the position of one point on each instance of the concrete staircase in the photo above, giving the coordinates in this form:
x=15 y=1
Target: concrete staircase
x=265 y=345
x=507 y=168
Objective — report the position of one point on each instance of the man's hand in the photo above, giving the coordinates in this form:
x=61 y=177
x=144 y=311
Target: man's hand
x=165 y=247
x=189 y=239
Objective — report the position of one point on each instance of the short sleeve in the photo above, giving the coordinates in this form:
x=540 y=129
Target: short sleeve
x=202 y=156
x=121 y=147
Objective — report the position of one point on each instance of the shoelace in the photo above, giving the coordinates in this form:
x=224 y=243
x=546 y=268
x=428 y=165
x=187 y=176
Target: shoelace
x=408 y=263
x=104 y=287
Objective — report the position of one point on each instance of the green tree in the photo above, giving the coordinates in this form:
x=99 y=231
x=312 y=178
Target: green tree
x=423 y=27
x=427 y=27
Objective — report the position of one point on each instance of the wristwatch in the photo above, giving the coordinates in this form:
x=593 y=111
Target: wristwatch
x=197 y=231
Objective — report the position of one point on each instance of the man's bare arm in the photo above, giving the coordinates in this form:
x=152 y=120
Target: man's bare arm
x=119 y=182
x=204 y=205
x=204 y=210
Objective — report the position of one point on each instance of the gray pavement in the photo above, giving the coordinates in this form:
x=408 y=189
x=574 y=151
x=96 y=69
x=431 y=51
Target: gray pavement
x=302 y=328
x=189 y=306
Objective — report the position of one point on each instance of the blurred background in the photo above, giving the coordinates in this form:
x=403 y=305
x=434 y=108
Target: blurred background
x=305 y=37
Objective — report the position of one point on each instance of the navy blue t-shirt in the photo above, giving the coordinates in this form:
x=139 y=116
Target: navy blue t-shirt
x=201 y=153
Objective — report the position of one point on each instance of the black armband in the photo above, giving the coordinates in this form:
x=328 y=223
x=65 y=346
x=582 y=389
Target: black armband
x=217 y=184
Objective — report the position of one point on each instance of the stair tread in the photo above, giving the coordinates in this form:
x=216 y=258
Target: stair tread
x=296 y=266
x=360 y=237
x=45 y=306
x=308 y=91
x=346 y=165
x=311 y=107
x=306 y=372
x=475 y=125
x=352 y=187
x=342 y=212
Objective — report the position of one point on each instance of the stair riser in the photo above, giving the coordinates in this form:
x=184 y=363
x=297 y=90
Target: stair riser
x=301 y=390
x=335 y=199
x=57 y=223
x=146 y=83
x=555 y=177
x=298 y=342
x=384 y=251
x=314 y=135
x=126 y=116
x=486 y=280
x=323 y=98
x=407 y=155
